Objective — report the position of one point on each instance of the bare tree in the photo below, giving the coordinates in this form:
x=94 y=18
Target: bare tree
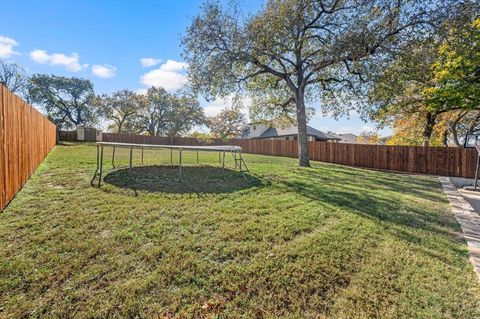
x=13 y=77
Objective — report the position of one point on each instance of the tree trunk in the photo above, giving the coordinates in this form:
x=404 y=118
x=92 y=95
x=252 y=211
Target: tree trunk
x=120 y=127
x=445 y=138
x=453 y=128
x=453 y=131
x=303 y=159
x=427 y=131
x=151 y=129
x=455 y=139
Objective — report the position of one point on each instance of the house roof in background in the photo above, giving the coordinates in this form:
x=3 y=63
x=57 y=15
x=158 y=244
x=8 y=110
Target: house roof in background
x=293 y=130
x=346 y=137
x=351 y=135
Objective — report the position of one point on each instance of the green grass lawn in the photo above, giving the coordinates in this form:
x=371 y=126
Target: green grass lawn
x=324 y=242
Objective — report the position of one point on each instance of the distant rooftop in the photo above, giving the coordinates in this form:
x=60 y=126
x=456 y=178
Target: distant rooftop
x=346 y=137
x=293 y=130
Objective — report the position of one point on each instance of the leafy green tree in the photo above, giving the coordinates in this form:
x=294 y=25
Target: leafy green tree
x=430 y=81
x=163 y=114
x=228 y=124
x=69 y=102
x=155 y=108
x=119 y=107
x=397 y=96
x=456 y=71
x=186 y=113
x=304 y=50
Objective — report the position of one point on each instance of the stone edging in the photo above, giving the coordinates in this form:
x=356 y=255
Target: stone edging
x=468 y=219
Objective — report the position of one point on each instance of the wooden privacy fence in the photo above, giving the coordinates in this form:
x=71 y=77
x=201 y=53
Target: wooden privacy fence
x=26 y=137
x=67 y=135
x=445 y=161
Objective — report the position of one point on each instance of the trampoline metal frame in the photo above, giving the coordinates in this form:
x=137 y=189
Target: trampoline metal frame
x=236 y=152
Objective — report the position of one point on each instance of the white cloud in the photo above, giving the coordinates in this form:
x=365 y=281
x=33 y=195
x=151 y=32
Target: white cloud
x=170 y=76
x=104 y=70
x=6 y=46
x=40 y=56
x=147 y=62
x=71 y=62
x=173 y=66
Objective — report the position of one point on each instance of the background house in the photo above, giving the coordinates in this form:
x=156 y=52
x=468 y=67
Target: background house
x=260 y=131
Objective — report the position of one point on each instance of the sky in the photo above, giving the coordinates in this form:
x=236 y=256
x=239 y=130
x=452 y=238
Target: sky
x=117 y=45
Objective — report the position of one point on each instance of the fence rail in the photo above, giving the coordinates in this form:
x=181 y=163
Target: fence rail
x=26 y=137
x=445 y=161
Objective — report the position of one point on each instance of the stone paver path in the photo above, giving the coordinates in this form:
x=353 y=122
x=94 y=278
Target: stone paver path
x=468 y=219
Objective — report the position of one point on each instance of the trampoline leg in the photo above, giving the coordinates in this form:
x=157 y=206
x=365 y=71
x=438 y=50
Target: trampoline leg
x=142 y=155
x=240 y=158
x=130 y=164
x=180 y=165
x=245 y=166
x=96 y=170
x=219 y=158
x=101 y=167
x=223 y=162
x=98 y=156
x=171 y=156
x=113 y=157
x=197 y=156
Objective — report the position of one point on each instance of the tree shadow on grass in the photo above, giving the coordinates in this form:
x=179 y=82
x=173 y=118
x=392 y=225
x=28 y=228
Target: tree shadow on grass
x=397 y=181
x=195 y=179
x=406 y=221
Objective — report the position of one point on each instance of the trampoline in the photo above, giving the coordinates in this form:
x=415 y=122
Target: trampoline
x=236 y=152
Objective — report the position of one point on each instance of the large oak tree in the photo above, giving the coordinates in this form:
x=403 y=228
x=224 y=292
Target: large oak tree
x=298 y=50
x=186 y=113
x=154 y=112
x=161 y=113
x=69 y=102
x=119 y=108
